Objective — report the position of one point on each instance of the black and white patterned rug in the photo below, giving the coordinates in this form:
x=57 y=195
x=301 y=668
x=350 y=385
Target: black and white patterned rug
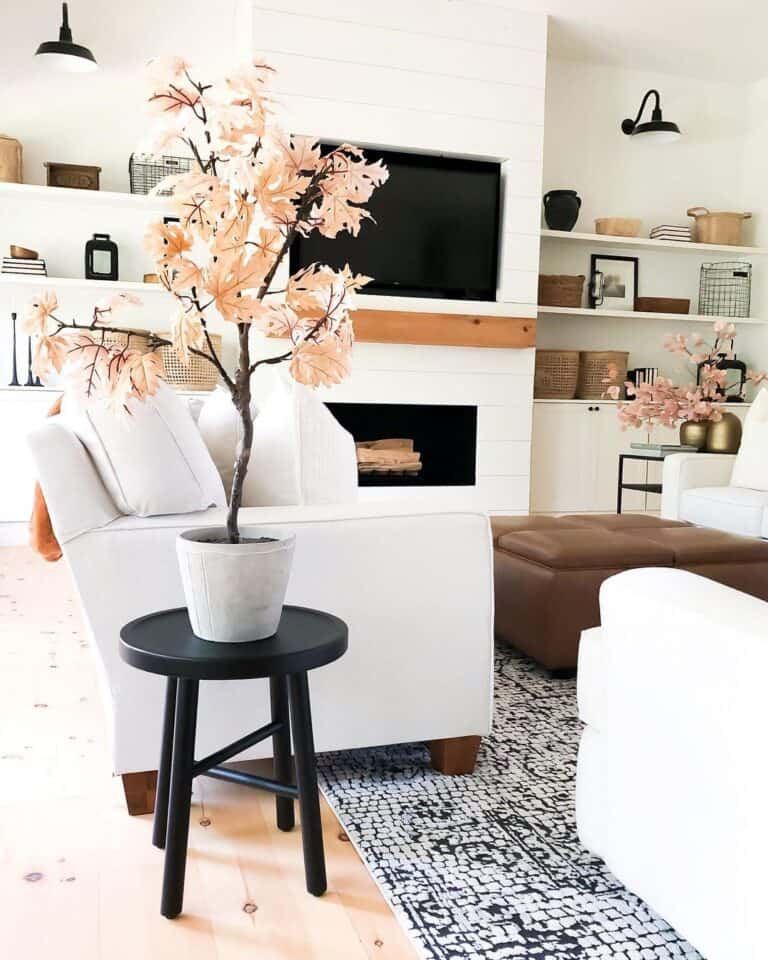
x=489 y=867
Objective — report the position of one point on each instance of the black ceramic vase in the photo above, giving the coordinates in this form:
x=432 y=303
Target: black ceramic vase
x=561 y=209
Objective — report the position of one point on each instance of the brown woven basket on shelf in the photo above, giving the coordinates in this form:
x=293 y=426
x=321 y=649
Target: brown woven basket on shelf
x=556 y=375
x=593 y=371
x=558 y=290
x=135 y=339
x=198 y=374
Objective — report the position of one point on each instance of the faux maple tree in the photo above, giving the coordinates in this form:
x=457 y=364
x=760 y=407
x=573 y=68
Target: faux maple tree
x=254 y=189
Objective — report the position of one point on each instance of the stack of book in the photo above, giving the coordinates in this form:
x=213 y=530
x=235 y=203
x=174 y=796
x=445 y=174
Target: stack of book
x=667 y=231
x=32 y=268
x=662 y=449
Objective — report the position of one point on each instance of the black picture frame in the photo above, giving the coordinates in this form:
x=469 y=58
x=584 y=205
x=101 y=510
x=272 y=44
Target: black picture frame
x=597 y=303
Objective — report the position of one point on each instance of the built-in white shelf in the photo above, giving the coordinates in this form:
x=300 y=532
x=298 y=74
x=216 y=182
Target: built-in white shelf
x=746 y=403
x=642 y=315
x=104 y=198
x=40 y=282
x=646 y=243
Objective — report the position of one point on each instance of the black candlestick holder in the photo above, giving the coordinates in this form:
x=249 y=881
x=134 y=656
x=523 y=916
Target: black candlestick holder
x=14 y=368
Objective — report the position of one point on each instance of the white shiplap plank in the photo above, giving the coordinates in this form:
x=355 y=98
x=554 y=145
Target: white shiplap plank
x=519 y=251
x=400 y=127
x=368 y=44
x=519 y=286
x=384 y=386
x=494 y=494
x=374 y=86
x=522 y=178
x=506 y=458
x=452 y=19
x=521 y=214
x=513 y=422
x=436 y=359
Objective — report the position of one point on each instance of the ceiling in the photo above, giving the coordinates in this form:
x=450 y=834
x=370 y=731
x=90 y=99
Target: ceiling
x=723 y=39
x=706 y=38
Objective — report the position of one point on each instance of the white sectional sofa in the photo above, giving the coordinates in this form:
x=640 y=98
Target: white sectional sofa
x=414 y=586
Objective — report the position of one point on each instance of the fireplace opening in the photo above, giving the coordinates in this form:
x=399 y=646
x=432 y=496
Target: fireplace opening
x=406 y=444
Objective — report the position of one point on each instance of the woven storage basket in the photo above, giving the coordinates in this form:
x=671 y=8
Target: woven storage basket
x=135 y=340
x=560 y=291
x=556 y=376
x=593 y=371
x=198 y=374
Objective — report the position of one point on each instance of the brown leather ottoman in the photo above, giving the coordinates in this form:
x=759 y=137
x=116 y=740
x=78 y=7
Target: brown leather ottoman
x=548 y=571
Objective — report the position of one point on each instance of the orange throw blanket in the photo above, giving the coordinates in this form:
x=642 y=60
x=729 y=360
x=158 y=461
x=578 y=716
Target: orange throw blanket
x=42 y=539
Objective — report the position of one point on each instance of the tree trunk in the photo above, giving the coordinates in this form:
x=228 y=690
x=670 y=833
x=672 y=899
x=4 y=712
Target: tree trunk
x=242 y=401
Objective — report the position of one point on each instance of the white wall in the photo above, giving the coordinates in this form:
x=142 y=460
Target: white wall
x=712 y=165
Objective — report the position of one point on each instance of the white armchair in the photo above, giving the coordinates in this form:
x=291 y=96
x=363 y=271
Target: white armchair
x=414 y=586
x=671 y=780
x=697 y=487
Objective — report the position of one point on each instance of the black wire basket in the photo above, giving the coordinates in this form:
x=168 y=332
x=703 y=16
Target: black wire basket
x=725 y=289
x=146 y=171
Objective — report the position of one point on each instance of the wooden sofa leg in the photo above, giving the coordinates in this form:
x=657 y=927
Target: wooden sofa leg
x=454 y=755
x=139 y=791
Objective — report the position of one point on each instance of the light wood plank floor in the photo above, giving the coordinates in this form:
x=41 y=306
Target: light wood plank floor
x=79 y=878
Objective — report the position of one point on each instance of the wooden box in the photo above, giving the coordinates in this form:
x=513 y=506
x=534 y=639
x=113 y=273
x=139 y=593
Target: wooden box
x=75 y=175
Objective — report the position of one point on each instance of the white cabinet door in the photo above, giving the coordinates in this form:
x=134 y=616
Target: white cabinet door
x=612 y=442
x=563 y=459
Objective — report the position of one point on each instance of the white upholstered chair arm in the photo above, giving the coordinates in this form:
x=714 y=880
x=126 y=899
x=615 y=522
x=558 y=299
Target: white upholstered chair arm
x=76 y=498
x=687 y=471
x=682 y=652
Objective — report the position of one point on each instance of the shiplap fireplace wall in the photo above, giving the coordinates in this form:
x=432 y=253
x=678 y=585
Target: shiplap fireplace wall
x=463 y=78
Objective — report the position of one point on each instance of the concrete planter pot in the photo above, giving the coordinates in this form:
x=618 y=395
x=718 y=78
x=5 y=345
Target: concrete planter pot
x=235 y=591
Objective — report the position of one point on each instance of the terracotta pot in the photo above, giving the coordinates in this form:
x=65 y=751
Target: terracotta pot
x=694 y=433
x=724 y=436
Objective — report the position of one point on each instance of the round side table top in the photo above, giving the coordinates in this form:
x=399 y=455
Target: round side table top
x=164 y=643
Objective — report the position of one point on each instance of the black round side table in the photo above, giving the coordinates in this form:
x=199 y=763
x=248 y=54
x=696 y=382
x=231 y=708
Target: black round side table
x=164 y=643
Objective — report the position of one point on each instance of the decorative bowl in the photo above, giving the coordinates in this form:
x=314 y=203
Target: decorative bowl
x=618 y=226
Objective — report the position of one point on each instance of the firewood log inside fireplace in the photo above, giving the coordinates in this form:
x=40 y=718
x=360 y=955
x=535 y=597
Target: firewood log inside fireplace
x=388 y=456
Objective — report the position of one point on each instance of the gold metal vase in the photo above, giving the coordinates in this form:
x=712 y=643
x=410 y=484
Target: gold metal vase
x=693 y=433
x=724 y=436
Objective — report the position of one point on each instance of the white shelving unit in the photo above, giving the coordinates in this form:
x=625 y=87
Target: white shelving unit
x=648 y=244
x=642 y=315
x=106 y=198
x=14 y=279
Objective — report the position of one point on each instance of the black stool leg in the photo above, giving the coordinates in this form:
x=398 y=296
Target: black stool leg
x=281 y=749
x=180 y=798
x=160 y=824
x=306 y=780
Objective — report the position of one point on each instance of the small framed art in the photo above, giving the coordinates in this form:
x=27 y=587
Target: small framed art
x=613 y=282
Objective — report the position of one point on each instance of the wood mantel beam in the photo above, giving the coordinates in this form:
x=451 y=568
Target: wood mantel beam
x=443 y=329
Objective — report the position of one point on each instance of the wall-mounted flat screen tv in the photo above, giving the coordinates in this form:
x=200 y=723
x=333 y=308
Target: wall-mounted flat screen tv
x=436 y=232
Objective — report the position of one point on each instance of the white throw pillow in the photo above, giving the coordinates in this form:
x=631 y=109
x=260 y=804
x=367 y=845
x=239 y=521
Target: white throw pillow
x=751 y=467
x=220 y=427
x=300 y=454
x=152 y=462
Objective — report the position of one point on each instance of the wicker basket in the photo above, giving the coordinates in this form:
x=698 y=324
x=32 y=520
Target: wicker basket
x=560 y=291
x=198 y=374
x=138 y=340
x=593 y=371
x=556 y=376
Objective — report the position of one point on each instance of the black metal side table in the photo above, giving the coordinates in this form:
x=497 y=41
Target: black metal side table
x=642 y=487
x=164 y=643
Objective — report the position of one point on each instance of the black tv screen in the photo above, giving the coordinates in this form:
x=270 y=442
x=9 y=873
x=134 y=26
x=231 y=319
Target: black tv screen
x=436 y=232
